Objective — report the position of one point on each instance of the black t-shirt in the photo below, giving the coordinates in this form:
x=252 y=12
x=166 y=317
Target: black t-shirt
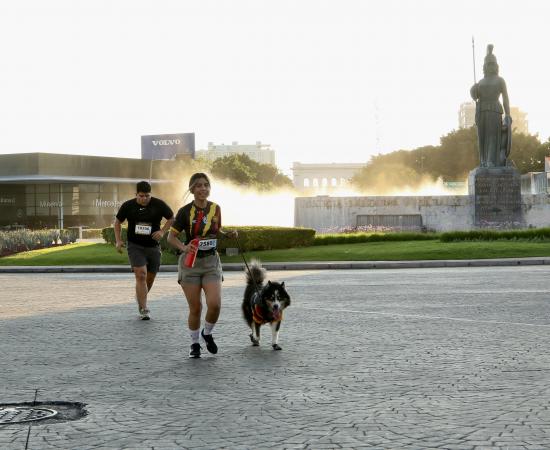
x=143 y=221
x=198 y=222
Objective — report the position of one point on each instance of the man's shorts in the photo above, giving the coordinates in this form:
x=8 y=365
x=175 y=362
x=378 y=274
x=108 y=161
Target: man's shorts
x=144 y=256
x=206 y=270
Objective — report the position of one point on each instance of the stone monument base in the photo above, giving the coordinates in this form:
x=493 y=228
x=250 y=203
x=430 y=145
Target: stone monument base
x=496 y=194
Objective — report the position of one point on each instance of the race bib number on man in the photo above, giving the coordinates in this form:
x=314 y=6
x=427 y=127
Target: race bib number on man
x=208 y=244
x=143 y=229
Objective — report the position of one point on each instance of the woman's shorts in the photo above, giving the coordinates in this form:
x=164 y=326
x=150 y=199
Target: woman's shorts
x=206 y=270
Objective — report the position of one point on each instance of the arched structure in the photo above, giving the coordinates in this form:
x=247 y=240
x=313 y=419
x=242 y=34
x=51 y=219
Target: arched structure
x=328 y=176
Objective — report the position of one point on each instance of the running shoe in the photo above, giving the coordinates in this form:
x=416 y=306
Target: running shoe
x=210 y=344
x=195 y=351
x=144 y=314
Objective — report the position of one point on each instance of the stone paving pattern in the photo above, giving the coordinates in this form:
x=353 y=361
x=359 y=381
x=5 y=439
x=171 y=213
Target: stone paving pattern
x=453 y=358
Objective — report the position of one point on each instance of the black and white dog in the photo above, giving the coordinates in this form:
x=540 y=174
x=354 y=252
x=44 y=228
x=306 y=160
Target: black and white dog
x=263 y=304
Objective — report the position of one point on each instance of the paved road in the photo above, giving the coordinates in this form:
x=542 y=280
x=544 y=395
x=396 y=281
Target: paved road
x=453 y=358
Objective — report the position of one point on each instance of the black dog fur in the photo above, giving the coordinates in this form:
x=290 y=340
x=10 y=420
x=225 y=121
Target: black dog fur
x=263 y=304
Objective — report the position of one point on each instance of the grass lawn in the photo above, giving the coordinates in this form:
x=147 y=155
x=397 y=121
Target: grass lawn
x=72 y=255
x=99 y=254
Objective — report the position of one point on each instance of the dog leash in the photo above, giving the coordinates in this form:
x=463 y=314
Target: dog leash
x=241 y=251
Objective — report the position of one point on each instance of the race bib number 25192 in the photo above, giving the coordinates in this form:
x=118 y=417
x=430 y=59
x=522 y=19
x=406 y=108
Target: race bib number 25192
x=208 y=244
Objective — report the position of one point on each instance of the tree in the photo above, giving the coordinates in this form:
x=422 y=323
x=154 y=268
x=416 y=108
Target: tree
x=384 y=177
x=242 y=170
x=528 y=153
x=452 y=160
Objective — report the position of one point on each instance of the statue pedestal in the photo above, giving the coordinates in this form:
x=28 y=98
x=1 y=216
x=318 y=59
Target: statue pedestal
x=496 y=193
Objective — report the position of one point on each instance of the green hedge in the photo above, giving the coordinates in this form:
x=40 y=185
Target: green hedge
x=532 y=234
x=355 y=238
x=92 y=233
x=250 y=238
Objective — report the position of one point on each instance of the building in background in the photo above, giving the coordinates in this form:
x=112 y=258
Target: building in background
x=467 y=117
x=261 y=153
x=168 y=146
x=47 y=190
x=323 y=176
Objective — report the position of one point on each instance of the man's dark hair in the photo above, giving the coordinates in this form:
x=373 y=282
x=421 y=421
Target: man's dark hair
x=144 y=187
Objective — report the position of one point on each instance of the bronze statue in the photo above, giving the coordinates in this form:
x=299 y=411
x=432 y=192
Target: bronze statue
x=494 y=136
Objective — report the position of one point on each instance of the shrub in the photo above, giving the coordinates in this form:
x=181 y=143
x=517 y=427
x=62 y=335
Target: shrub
x=531 y=234
x=91 y=233
x=269 y=238
x=355 y=238
x=24 y=240
x=250 y=238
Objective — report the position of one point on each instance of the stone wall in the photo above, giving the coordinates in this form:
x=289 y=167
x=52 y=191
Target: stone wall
x=439 y=213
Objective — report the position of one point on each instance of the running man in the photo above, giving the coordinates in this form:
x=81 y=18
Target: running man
x=144 y=214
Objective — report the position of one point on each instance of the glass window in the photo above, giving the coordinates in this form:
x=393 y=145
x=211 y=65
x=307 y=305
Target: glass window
x=43 y=188
x=89 y=187
x=29 y=188
x=108 y=187
x=29 y=199
x=31 y=211
x=42 y=211
x=69 y=204
x=42 y=200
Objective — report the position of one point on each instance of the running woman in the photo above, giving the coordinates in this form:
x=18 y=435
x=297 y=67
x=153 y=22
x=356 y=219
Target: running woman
x=200 y=219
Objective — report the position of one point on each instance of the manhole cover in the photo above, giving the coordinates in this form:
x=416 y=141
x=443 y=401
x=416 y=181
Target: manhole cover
x=20 y=414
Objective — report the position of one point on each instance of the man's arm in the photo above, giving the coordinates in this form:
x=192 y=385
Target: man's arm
x=157 y=235
x=118 y=235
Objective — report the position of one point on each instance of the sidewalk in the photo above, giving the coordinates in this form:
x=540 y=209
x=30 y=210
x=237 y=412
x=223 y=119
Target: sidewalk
x=306 y=265
x=453 y=359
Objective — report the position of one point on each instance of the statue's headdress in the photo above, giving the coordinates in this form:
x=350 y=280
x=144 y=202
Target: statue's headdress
x=490 y=58
x=490 y=61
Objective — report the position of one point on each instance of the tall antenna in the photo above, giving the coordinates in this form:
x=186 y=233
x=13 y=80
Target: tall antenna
x=474 y=58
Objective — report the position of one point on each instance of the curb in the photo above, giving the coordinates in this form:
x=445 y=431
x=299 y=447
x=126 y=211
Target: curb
x=329 y=265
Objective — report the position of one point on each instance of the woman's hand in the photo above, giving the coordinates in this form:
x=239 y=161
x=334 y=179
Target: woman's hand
x=191 y=247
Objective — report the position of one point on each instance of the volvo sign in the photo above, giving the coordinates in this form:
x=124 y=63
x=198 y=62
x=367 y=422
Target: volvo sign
x=168 y=146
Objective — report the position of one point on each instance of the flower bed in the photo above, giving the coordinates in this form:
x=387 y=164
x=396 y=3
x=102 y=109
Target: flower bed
x=24 y=240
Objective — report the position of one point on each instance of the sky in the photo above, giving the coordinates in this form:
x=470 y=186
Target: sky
x=321 y=81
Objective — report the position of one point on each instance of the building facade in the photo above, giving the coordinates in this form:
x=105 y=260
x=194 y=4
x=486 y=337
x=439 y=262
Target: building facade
x=328 y=176
x=44 y=190
x=261 y=153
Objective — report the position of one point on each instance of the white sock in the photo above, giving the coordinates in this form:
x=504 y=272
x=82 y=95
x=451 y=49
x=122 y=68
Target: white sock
x=208 y=327
x=194 y=336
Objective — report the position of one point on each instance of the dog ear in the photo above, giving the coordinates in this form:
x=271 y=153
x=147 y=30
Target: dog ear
x=283 y=284
x=268 y=283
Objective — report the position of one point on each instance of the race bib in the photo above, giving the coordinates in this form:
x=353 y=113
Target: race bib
x=208 y=244
x=143 y=229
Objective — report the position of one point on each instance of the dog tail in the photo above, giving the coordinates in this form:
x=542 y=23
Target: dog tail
x=254 y=280
x=256 y=276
